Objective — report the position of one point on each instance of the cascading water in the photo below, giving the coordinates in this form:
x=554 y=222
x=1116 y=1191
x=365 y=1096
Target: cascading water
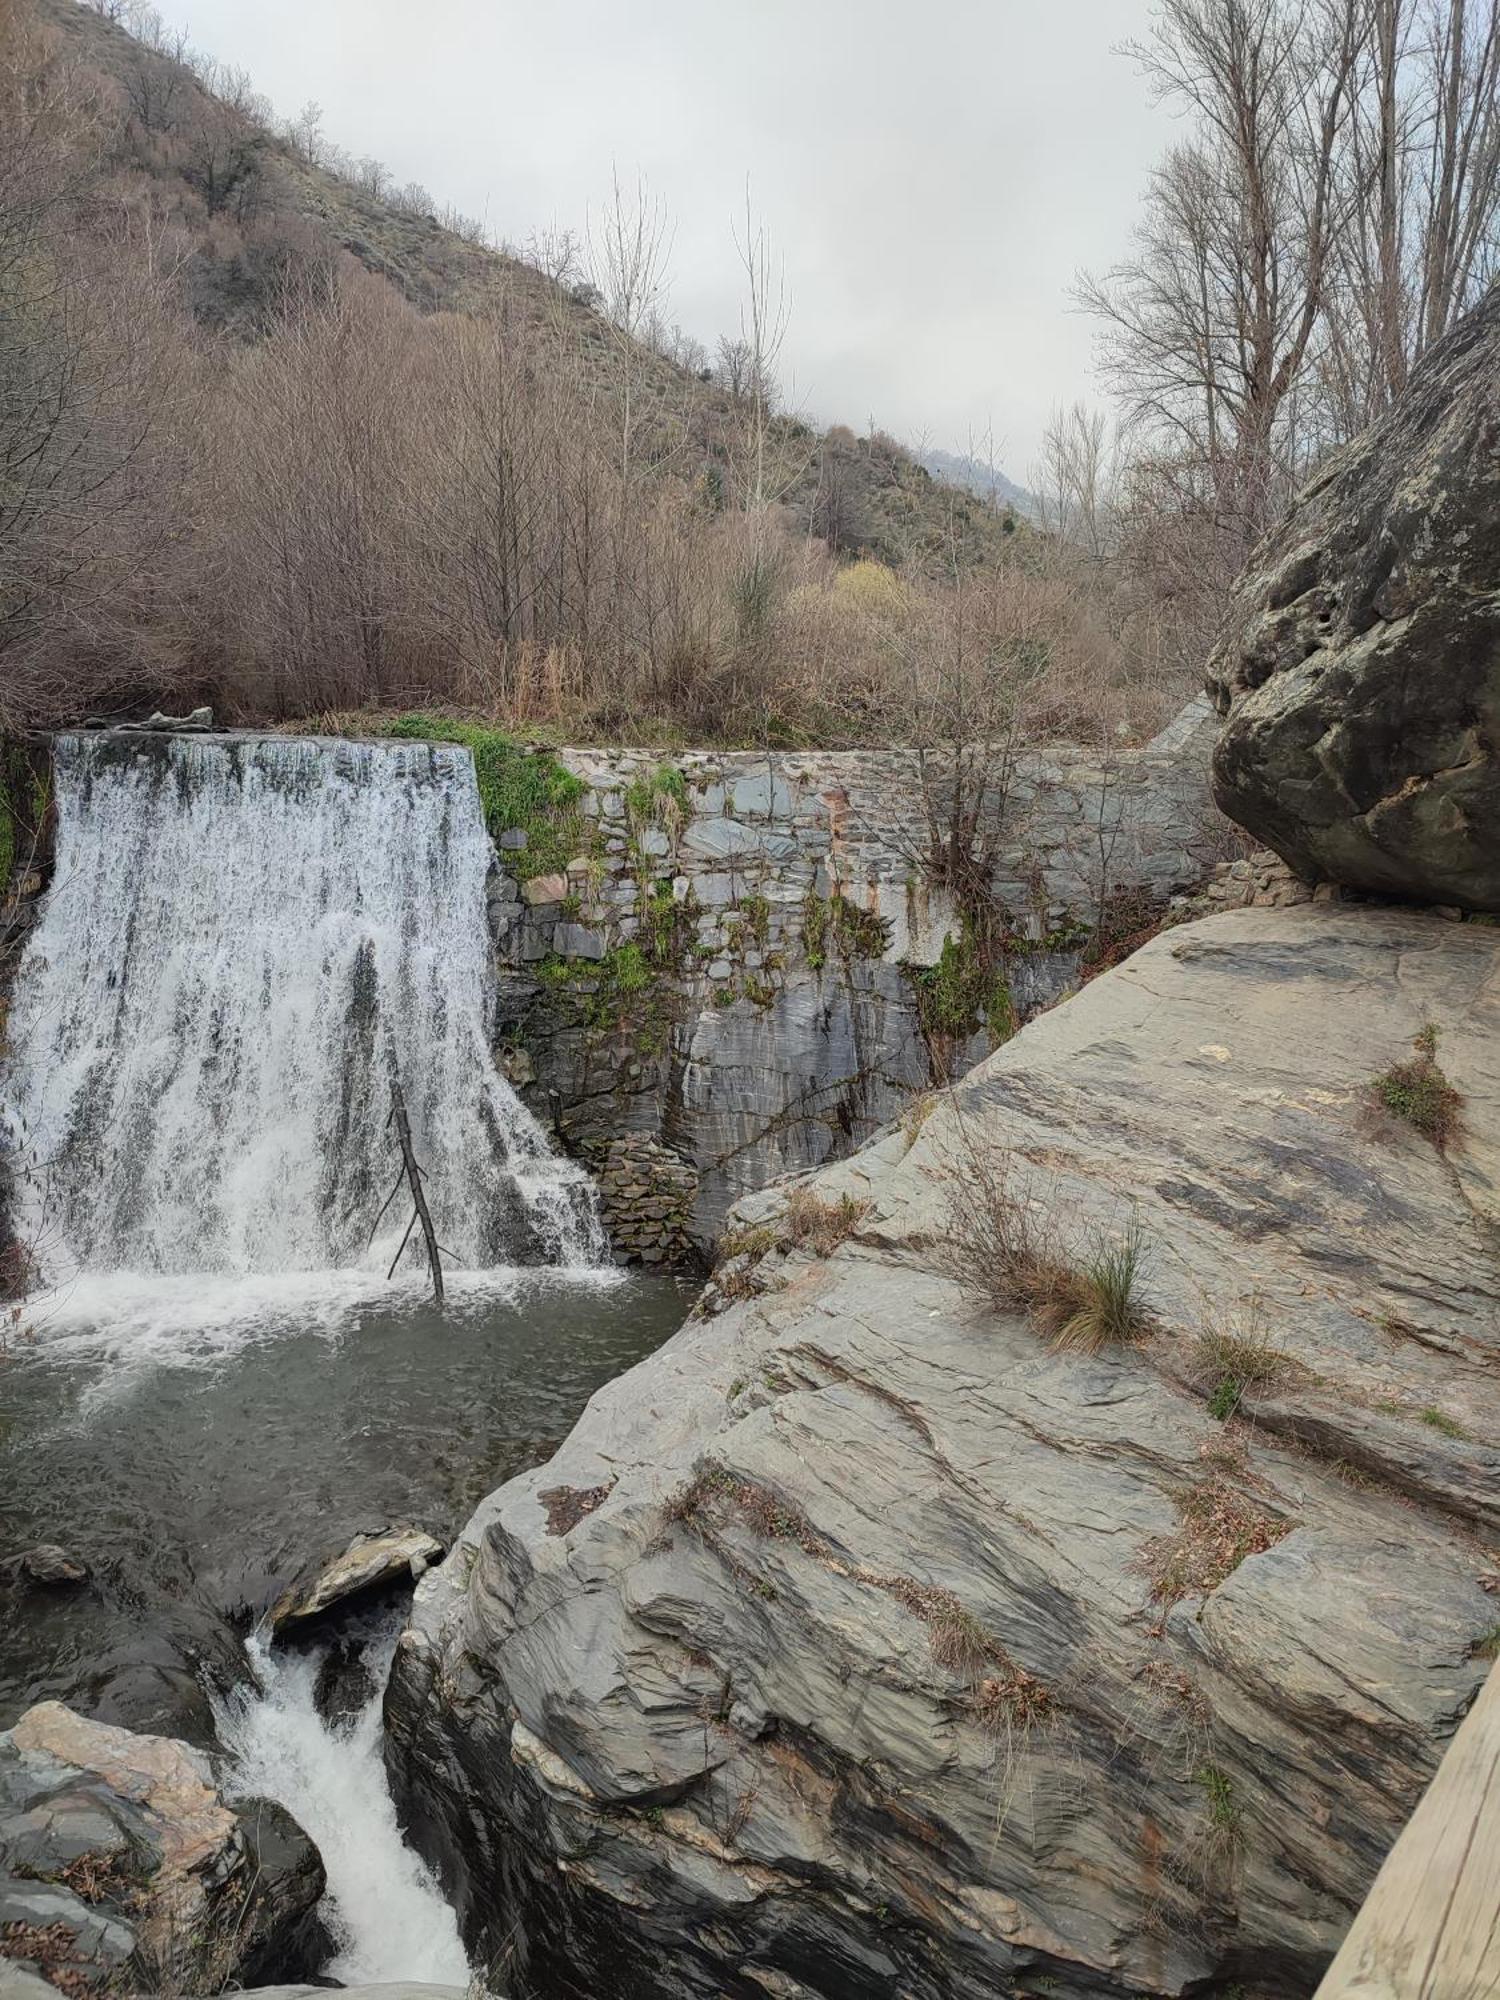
x=245 y=940
x=245 y=943
x=386 y=1913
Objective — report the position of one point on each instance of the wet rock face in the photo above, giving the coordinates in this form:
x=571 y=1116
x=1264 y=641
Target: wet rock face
x=122 y=1868
x=1360 y=668
x=860 y=1642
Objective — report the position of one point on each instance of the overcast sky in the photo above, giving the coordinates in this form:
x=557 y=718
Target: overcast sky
x=932 y=174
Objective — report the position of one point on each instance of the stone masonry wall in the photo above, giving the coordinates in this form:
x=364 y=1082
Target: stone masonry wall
x=745 y=976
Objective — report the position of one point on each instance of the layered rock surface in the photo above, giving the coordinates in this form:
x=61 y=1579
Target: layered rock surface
x=122 y=1869
x=1360 y=667
x=859 y=1642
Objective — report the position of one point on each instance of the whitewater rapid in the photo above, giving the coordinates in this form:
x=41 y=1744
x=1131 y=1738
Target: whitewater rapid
x=384 y=1911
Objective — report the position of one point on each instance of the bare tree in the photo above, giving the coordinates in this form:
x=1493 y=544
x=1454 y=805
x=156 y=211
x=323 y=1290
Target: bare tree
x=1209 y=326
x=558 y=253
x=305 y=133
x=629 y=248
x=1421 y=194
x=1075 y=481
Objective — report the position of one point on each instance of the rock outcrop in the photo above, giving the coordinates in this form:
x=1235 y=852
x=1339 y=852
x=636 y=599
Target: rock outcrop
x=862 y=1641
x=784 y=1011
x=1360 y=668
x=381 y=1559
x=121 y=1868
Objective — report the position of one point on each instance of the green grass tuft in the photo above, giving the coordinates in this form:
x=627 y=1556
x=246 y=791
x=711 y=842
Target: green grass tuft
x=1418 y=1093
x=1439 y=1420
x=523 y=790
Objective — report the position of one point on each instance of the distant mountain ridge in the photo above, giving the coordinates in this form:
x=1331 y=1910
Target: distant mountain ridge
x=977 y=476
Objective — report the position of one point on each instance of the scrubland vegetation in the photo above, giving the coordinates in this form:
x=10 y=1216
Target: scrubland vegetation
x=284 y=438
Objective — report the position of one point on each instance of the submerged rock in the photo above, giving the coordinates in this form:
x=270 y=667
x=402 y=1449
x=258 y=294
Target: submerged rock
x=1360 y=667
x=46 y=1564
x=905 y=1654
x=371 y=1562
x=121 y=1866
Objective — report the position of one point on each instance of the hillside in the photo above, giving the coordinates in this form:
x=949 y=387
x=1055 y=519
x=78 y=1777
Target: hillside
x=313 y=448
x=865 y=495
x=979 y=476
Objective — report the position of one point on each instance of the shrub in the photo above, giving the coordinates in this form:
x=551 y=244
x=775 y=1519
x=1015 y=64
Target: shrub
x=1418 y=1093
x=966 y=987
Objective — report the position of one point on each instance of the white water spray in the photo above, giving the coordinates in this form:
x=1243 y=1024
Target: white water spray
x=244 y=940
x=384 y=1910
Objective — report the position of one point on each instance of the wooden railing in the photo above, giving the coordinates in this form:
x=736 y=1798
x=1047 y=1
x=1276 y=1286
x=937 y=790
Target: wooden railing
x=1430 y=1926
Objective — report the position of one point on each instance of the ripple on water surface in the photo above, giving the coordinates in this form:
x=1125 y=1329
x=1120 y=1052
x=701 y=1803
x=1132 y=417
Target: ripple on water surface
x=198 y=1440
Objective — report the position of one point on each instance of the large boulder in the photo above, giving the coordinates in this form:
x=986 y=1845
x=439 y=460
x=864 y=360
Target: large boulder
x=861 y=1641
x=1359 y=669
x=121 y=1868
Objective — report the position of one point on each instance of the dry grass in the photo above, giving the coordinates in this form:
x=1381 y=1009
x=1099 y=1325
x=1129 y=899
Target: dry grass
x=999 y=1694
x=1097 y=1304
x=1000 y=1249
x=764 y=1512
x=821 y=1226
x=1232 y=1358
x=1220 y=1526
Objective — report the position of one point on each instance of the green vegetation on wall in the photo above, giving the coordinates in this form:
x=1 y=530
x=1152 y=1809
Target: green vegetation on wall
x=834 y=922
x=962 y=990
x=25 y=795
x=523 y=790
x=618 y=994
x=657 y=797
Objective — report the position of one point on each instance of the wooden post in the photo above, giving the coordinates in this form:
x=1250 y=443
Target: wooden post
x=1430 y=1926
x=414 y=1176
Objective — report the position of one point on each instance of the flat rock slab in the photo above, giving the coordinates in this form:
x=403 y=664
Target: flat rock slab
x=370 y=1562
x=867 y=1668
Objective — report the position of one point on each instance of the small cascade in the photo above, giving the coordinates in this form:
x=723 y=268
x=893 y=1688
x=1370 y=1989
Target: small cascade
x=385 y=1913
x=245 y=940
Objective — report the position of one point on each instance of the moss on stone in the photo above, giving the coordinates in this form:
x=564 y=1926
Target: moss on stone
x=520 y=790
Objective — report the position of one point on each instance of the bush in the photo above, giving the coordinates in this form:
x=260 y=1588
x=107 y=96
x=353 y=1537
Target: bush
x=1418 y=1093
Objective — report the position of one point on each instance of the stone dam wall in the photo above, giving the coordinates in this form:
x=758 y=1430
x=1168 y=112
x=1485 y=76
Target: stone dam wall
x=748 y=974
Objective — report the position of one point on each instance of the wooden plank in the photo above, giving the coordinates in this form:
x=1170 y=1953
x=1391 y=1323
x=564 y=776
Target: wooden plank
x=1430 y=1926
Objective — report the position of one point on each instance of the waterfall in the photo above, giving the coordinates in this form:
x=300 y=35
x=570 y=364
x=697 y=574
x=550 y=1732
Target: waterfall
x=386 y=1914
x=244 y=939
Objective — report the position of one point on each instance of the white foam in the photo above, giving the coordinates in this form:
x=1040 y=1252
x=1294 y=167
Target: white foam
x=126 y=1324
x=243 y=942
x=385 y=1912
